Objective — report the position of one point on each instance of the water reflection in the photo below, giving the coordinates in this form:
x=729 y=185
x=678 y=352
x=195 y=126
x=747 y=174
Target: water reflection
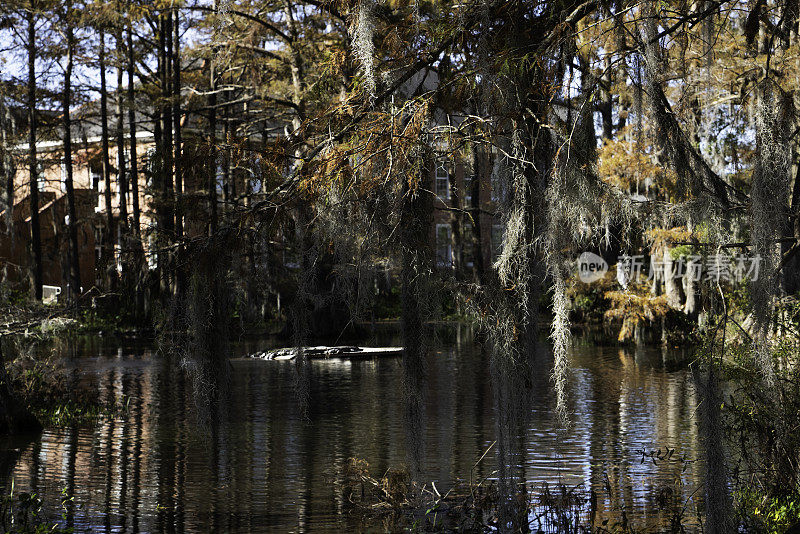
x=268 y=467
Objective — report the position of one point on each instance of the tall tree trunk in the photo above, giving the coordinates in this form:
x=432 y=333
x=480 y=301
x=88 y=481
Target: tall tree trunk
x=7 y=192
x=791 y=270
x=176 y=120
x=166 y=221
x=719 y=516
x=417 y=258
x=122 y=175
x=72 y=226
x=212 y=144
x=456 y=223
x=137 y=248
x=168 y=122
x=157 y=161
x=482 y=171
x=7 y=167
x=180 y=277
x=108 y=249
x=605 y=104
x=672 y=286
x=228 y=188
x=36 y=236
x=132 y=129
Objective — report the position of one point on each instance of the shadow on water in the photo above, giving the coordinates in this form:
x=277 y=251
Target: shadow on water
x=264 y=465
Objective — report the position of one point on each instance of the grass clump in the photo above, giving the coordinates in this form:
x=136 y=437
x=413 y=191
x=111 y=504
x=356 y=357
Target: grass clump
x=768 y=514
x=396 y=504
x=21 y=513
x=52 y=393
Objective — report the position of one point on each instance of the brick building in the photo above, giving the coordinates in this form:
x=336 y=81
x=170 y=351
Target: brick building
x=90 y=199
x=454 y=211
x=452 y=183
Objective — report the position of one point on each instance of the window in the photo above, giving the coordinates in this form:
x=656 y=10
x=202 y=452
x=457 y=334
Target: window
x=256 y=182
x=63 y=177
x=444 y=249
x=107 y=183
x=498 y=189
x=150 y=166
x=220 y=180
x=117 y=249
x=466 y=240
x=289 y=236
x=41 y=183
x=95 y=175
x=469 y=183
x=152 y=257
x=98 y=244
x=123 y=165
x=291 y=259
x=497 y=240
x=101 y=189
x=442 y=182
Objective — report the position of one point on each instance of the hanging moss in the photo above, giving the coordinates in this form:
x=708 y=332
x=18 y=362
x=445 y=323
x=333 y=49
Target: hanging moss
x=719 y=510
x=770 y=188
x=363 y=32
x=195 y=331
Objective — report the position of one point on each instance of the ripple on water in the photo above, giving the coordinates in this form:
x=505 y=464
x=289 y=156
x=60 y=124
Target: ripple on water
x=267 y=466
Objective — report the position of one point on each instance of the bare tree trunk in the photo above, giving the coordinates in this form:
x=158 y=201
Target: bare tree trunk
x=719 y=511
x=212 y=144
x=482 y=171
x=132 y=129
x=791 y=270
x=690 y=305
x=157 y=161
x=605 y=105
x=167 y=128
x=72 y=225
x=176 y=120
x=166 y=220
x=36 y=236
x=108 y=249
x=621 y=73
x=415 y=224
x=180 y=278
x=456 y=221
x=228 y=190
x=7 y=172
x=8 y=199
x=7 y=168
x=137 y=248
x=122 y=176
x=672 y=288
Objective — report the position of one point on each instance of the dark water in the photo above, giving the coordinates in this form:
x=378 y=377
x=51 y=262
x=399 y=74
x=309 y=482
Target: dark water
x=269 y=468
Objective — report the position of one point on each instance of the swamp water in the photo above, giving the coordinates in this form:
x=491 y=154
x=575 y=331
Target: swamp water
x=267 y=467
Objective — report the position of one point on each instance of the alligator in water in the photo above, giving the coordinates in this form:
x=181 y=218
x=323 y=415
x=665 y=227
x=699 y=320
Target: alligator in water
x=324 y=352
